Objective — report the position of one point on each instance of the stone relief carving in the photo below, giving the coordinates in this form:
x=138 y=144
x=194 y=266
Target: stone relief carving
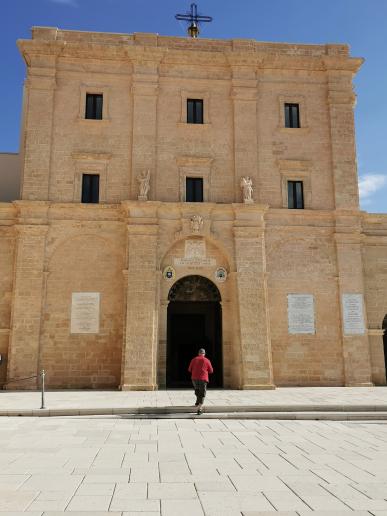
x=196 y=223
x=247 y=189
x=143 y=180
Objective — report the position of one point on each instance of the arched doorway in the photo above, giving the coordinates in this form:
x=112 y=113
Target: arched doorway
x=384 y=327
x=194 y=321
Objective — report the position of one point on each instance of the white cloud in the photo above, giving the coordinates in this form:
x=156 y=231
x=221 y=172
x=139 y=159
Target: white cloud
x=371 y=183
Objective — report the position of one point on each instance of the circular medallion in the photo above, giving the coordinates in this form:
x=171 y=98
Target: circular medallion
x=221 y=274
x=169 y=273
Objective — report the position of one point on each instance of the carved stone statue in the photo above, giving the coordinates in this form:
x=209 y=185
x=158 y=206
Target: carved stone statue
x=143 y=180
x=247 y=189
x=196 y=223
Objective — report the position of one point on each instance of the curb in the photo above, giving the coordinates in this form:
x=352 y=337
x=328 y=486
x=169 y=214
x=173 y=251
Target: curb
x=295 y=412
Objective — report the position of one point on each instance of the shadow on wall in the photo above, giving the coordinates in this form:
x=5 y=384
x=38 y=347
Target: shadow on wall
x=10 y=174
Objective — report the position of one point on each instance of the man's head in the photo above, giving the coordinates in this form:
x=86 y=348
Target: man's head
x=202 y=352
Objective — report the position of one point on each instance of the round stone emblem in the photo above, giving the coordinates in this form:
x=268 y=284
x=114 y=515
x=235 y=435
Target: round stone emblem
x=169 y=273
x=221 y=274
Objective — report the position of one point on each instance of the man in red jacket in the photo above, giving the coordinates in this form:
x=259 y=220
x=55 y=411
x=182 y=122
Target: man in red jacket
x=199 y=368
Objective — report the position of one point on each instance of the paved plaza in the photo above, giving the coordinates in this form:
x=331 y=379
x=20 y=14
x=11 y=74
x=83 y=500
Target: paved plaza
x=116 y=465
x=109 y=401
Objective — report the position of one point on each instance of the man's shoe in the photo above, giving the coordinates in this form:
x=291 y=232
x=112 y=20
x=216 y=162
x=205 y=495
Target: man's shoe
x=200 y=411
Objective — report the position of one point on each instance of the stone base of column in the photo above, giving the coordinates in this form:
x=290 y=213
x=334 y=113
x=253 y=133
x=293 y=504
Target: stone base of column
x=257 y=386
x=131 y=387
x=359 y=384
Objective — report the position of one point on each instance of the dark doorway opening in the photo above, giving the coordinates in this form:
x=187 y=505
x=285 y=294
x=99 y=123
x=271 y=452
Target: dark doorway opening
x=194 y=321
x=384 y=327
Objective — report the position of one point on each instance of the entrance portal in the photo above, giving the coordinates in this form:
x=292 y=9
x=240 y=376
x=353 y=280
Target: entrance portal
x=384 y=327
x=194 y=321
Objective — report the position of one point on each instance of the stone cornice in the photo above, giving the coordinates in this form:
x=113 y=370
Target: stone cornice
x=243 y=55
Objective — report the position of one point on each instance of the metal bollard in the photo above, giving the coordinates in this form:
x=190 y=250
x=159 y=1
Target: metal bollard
x=42 y=375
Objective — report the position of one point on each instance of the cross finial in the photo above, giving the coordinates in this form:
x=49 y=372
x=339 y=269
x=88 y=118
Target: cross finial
x=194 y=19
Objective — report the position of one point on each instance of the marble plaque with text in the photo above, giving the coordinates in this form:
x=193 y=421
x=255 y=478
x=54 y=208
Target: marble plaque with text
x=195 y=255
x=85 y=312
x=353 y=314
x=301 y=313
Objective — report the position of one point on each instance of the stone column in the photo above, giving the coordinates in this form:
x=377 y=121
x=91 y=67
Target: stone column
x=244 y=97
x=37 y=124
x=28 y=297
x=141 y=334
x=145 y=93
x=356 y=348
x=249 y=238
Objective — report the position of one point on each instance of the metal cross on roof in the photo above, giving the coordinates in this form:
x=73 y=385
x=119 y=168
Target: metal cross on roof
x=194 y=19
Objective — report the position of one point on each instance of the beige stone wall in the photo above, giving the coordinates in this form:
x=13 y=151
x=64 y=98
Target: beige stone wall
x=375 y=277
x=10 y=171
x=7 y=256
x=120 y=247
x=83 y=255
x=301 y=259
x=146 y=80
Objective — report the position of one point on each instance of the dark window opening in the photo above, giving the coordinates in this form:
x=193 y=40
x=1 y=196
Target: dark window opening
x=90 y=188
x=94 y=106
x=292 y=115
x=194 y=189
x=194 y=111
x=295 y=195
x=384 y=327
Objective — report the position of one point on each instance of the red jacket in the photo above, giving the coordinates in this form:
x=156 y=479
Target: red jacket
x=199 y=368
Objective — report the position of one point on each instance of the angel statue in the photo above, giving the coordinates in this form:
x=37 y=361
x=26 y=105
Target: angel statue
x=196 y=223
x=143 y=180
x=247 y=189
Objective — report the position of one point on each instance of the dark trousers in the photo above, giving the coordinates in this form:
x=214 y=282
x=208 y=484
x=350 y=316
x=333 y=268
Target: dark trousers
x=200 y=387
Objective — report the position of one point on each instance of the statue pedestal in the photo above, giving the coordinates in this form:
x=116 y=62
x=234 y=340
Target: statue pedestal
x=248 y=201
x=142 y=197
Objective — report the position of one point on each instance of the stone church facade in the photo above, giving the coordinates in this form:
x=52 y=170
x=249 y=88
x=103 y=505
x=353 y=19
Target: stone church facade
x=133 y=242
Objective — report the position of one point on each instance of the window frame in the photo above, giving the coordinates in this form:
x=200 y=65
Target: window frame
x=197 y=115
x=96 y=111
x=91 y=187
x=294 y=198
x=195 y=95
x=302 y=114
x=288 y=115
x=296 y=170
x=90 y=163
x=195 y=180
x=94 y=89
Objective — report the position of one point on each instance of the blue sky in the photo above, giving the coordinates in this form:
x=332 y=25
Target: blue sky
x=361 y=23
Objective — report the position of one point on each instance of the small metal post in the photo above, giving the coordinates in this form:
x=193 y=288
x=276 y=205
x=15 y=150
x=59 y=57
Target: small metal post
x=42 y=375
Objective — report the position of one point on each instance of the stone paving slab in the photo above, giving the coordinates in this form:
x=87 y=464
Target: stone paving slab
x=116 y=400
x=331 y=403
x=112 y=466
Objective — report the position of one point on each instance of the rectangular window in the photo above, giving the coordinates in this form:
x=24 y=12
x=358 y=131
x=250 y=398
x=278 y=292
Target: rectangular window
x=194 y=111
x=90 y=188
x=194 y=189
x=292 y=115
x=94 y=103
x=295 y=195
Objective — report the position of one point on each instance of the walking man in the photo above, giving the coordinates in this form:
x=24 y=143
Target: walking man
x=199 y=368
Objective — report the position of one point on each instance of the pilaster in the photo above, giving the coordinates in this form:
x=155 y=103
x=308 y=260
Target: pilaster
x=249 y=239
x=141 y=333
x=341 y=101
x=28 y=294
x=356 y=347
x=244 y=99
x=38 y=126
x=145 y=94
